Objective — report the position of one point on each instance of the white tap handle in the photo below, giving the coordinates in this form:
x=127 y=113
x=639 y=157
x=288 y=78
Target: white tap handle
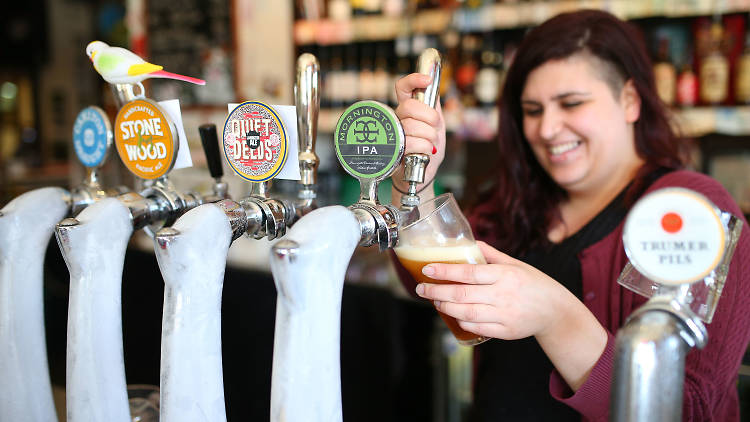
x=94 y=250
x=26 y=224
x=192 y=257
x=309 y=278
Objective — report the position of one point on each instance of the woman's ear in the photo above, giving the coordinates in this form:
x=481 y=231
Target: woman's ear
x=631 y=101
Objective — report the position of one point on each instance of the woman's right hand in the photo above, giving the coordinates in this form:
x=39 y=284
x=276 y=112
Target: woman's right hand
x=424 y=127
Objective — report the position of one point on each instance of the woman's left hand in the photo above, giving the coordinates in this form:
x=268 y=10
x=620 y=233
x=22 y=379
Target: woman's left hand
x=505 y=298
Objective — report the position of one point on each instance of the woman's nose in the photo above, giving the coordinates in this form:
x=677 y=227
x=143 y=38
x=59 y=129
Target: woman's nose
x=550 y=124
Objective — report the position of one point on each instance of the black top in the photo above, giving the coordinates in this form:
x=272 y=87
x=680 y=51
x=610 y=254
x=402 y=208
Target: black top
x=512 y=379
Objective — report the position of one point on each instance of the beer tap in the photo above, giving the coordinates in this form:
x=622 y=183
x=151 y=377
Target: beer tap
x=684 y=284
x=369 y=144
x=259 y=215
x=26 y=391
x=192 y=252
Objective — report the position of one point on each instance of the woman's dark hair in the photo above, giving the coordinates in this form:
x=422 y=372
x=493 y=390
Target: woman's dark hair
x=525 y=202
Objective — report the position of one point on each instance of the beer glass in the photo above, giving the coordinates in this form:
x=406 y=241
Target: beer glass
x=440 y=234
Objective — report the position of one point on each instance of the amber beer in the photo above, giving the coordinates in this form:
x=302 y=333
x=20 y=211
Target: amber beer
x=413 y=257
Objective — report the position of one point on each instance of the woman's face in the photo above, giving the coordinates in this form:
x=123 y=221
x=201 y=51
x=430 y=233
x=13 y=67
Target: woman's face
x=580 y=131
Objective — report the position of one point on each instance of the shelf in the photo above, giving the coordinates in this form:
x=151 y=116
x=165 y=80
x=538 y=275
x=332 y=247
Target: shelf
x=480 y=124
x=495 y=16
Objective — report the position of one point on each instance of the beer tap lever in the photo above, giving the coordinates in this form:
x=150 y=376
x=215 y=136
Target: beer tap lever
x=307 y=101
x=210 y=143
x=429 y=63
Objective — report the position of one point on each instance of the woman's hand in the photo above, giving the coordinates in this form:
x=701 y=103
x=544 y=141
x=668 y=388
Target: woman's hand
x=508 y=299
x=424 y=127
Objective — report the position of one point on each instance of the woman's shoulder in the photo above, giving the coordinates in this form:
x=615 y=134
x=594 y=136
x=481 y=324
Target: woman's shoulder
x=701 y=183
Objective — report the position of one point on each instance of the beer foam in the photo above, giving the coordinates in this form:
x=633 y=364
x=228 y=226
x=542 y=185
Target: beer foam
x=466 y=253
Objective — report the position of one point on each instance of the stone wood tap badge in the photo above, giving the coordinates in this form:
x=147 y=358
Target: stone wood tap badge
x=255 y=141
x=145 y=138
x=674 y=236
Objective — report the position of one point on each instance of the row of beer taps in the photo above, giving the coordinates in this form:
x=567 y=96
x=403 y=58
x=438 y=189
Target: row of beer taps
x=192 y=234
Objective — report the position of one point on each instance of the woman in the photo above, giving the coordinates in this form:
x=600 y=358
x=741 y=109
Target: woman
x=582 y=136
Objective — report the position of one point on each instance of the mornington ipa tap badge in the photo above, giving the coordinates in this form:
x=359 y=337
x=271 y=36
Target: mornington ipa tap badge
x=674 y=236
x=255 y=141
x=92 y=136
x=145 y=138
x=369 y=140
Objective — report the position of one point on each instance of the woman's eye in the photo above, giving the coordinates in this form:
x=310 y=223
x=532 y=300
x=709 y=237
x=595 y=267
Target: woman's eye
x=532 y=111
x=571 y=104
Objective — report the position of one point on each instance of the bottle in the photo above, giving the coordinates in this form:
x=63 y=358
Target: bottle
x=687 y=86
x=487 y=85
x=714 y=68
x=466 y=72
x=366 y=75
x=381 y=77
x=742 y=75
x=339 y=10
x=665 y=75
x=401 y=66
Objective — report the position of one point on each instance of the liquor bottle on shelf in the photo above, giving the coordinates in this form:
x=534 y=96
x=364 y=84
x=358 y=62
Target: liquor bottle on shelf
x=467 y=69
x=687 y=86
x=334 y=81
x=382 y=86
x=664 y=74
x=350 y=76
x=742 y=74
x=401 y=66
x=714 y=67
x=488 y=79
x=340 y=10
x=366 y=84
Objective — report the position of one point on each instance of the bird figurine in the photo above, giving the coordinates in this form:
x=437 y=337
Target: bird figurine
x=121 y=66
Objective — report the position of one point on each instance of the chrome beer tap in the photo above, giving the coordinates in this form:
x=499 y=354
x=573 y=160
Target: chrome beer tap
x=684 y=284
x=259 y=215
x=26 y=225
x=310 y=263
x=369 y=145
x=192 y=253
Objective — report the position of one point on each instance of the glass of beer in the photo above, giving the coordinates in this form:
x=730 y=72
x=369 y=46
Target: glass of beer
x=440 y=234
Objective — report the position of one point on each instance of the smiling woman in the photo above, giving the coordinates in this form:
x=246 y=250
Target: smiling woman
x=583 y=135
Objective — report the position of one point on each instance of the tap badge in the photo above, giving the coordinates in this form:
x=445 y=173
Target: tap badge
x=369 y=140
x=255 y=141
x=145 y=139
x=674 y=236
x=92 y=136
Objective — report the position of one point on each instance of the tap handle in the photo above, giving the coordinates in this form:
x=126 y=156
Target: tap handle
x=307 y=100
x=429 y=63
x=211 y=147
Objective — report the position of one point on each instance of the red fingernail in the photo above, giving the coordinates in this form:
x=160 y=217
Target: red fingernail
x=434 y=150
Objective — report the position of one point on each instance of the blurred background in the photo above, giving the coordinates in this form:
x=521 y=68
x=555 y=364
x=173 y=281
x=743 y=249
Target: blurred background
x=246 y=50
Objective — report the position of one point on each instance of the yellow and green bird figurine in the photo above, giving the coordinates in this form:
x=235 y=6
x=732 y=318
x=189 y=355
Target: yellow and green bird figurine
x=121 y=66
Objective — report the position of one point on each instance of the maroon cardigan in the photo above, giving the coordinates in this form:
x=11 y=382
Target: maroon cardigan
x=710 y=373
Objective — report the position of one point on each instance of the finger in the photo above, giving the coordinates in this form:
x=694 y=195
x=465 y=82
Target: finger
x=406 y=85
x=417 y=110
x=456 y=293
x=419 y=129
x=470 y=312
x=463 y=273
x=493 y=256
x=418 y=145
x=487 y=329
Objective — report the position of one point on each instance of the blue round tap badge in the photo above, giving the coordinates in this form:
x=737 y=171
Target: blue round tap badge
x=92 y=136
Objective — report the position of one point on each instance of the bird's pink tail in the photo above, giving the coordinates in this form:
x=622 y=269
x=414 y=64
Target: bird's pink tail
x=170 y=75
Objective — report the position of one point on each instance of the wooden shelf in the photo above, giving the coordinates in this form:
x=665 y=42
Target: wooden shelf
x=496 y=16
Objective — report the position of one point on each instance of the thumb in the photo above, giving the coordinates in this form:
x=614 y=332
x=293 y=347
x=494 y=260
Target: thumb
x=493 y=256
